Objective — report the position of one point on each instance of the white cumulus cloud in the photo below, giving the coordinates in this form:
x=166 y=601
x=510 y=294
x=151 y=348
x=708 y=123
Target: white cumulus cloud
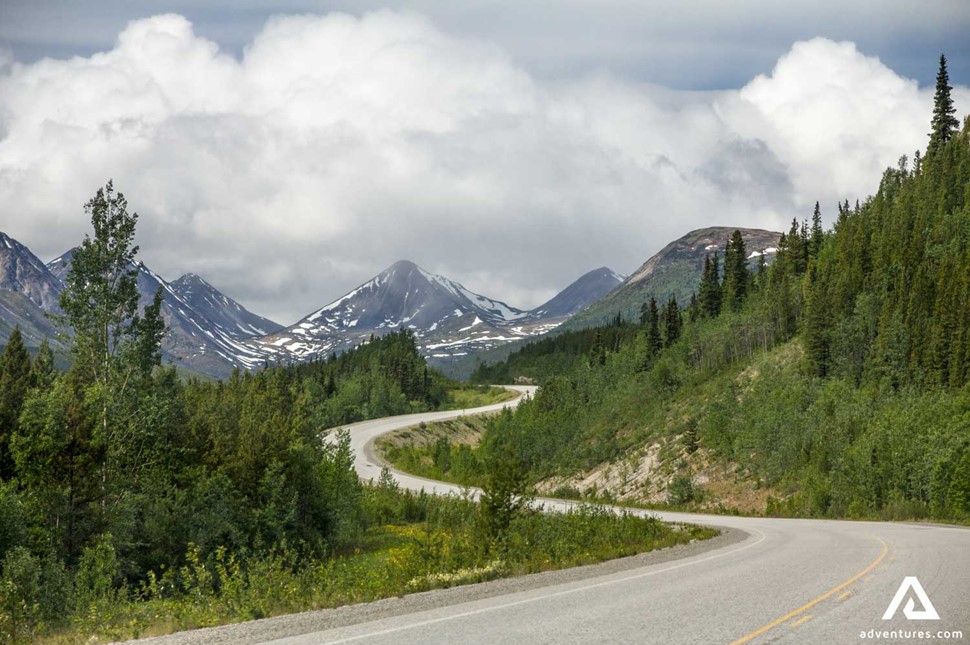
x=337 y=144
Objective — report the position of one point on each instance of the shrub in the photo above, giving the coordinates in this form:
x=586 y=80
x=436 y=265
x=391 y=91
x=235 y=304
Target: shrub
x=681 y=491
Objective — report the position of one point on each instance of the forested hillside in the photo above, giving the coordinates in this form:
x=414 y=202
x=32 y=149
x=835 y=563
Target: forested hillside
x=557 y=354
x=116 y=474
x=835 y=381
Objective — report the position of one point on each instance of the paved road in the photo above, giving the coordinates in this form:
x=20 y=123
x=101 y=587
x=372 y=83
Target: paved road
x=792 y=581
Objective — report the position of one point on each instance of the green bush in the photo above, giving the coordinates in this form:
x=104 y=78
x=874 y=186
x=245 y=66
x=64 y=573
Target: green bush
x=681 y=491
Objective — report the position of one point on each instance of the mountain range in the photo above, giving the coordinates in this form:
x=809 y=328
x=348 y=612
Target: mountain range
x=211 y=334
x=449 y=320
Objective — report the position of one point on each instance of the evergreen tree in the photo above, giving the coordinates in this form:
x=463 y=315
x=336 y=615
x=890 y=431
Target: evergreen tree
x=652 y=323
x=15 y=380
x=43 y=369
x=762 y=274
x=804 y=244
x=844 y=212
x=709 y=296
x=736 y=277
x=693 y=309
x=794 y=247
x=944 y=123
x=817 y=235
x=598 y=351
x=815 y=326
x=505 y=493
x=672 y=322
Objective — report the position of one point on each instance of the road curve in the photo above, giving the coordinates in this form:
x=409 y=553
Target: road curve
x=786 y=581
x=790 y=580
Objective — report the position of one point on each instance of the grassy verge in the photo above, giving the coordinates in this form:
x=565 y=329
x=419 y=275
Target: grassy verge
x=446 y=451
x=413 y=542
x=466 y=397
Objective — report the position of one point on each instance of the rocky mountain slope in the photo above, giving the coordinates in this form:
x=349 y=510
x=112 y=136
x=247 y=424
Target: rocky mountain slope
x=449 y=320
x=208 y=332
x=231 y=318
x=211 y=334
x=675 y=270
x=28 y=290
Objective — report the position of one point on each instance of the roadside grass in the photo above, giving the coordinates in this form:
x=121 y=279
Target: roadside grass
x=465 y=396
x=445 y=450
x=412 y=542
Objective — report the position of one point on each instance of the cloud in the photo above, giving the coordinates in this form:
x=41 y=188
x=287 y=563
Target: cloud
x=338 y=144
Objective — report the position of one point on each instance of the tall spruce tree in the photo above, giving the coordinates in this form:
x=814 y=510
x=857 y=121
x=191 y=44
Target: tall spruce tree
x=762 y=273
x=673 y=323
x=817 y=234
x=15 y=380
x=794 y=246
x=652 y=324
x=815 y=325
x=709 y=296
x=693 y=309
x=944 y=123
x=735 y=272
x=43 y=369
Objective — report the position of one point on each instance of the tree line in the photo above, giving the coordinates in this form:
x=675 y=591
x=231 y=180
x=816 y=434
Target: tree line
x=835 y=372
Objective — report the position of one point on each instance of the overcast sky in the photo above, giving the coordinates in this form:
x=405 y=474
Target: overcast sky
x=288 y=151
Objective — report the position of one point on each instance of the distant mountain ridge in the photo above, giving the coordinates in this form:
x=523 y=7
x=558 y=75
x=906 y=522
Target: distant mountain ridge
x=211 y=334
x=448 y=319
x=588 y=289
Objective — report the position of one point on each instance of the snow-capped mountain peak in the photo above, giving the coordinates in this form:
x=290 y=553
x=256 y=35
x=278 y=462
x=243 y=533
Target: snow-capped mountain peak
x=448 y=319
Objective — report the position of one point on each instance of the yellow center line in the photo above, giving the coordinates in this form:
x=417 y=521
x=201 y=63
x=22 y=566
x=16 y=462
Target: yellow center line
x=809 y=605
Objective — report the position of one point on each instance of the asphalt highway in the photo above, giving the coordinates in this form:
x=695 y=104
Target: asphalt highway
x=780 y=581
x=790 y=580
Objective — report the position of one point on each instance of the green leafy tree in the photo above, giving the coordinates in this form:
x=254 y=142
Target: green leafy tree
x=115 y=348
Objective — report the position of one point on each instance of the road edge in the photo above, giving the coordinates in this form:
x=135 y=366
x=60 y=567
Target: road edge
x=290 y=625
